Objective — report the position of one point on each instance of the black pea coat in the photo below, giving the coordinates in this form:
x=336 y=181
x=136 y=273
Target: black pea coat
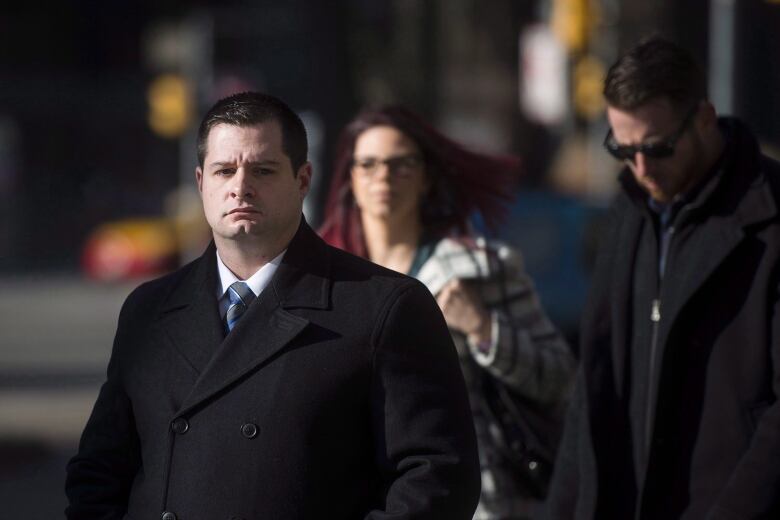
x=714 y=443
x=337 y=395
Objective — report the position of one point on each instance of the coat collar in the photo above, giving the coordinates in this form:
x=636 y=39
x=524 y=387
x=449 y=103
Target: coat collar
x=303 y=278
x=190 y=317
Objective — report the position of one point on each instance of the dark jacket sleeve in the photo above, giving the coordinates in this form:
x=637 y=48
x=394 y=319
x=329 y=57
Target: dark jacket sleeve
x=100 y=475
x=425 y=444
x=753 y=490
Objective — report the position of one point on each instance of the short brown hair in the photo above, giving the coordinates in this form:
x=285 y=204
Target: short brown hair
x=654 y=68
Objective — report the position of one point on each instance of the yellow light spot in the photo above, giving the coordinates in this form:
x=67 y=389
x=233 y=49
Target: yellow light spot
x=170 y=105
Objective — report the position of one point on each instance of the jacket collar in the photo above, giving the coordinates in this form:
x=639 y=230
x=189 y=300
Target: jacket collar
x=190 y=317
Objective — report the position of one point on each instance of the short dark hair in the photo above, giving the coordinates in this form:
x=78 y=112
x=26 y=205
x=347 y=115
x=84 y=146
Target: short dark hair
x=252 y=108
x=654 y=68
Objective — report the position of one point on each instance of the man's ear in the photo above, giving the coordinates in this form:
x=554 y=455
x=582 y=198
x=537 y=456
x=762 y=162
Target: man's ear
x=304 y=178
x=199 y=179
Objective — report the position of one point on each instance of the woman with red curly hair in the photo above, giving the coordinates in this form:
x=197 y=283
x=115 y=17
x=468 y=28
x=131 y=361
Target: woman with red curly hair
x=402 y=195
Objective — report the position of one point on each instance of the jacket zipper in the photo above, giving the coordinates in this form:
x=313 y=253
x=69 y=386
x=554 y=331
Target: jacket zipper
x=655 y=318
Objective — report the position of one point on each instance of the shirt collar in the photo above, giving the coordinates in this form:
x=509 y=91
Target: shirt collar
x=257 y=282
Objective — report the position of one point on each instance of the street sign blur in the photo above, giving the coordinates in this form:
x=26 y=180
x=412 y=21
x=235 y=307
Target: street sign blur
x=544 y=89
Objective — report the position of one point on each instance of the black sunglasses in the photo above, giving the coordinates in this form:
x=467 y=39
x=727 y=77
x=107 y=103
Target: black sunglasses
x=658 y=150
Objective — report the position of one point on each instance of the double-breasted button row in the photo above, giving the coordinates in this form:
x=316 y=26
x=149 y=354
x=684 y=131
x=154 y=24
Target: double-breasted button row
x=179 y=426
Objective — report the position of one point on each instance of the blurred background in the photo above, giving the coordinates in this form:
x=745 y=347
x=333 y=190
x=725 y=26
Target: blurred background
x=99 y=102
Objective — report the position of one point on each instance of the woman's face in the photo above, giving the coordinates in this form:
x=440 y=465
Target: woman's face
x=388 y=174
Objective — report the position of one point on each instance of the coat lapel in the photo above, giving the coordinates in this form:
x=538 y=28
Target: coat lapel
x=708 y=245
x=190 y=316
x=705 y=249
x=268 y=326
x=263 y=330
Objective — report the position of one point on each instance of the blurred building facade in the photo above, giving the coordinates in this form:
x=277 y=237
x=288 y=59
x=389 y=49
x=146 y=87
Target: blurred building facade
x=76 y=100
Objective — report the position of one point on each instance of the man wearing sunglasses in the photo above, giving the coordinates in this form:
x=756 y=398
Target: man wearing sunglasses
x=676 y=414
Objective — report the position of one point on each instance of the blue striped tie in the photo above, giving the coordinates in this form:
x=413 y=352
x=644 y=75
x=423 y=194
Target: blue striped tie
x=241 y=297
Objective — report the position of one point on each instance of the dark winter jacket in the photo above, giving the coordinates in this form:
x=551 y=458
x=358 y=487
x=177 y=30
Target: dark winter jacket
x=710 y=372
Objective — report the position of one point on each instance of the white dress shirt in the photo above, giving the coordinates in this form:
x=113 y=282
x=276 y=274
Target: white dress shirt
x=257 y=282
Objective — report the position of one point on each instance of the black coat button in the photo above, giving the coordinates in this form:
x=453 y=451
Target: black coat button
x=168 y=516
x=249 y=430
x=179 y=425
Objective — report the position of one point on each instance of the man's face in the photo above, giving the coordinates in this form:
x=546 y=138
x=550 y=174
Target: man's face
x=654 y=122
x=247 y=184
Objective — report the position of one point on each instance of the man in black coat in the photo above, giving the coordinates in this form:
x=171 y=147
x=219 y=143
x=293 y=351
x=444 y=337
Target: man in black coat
x=275 y=377
x=675 y=414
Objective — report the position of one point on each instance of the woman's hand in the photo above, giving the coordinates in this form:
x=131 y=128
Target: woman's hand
x=463 y=310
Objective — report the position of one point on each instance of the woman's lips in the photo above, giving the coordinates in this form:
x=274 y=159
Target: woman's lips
x=382 y=195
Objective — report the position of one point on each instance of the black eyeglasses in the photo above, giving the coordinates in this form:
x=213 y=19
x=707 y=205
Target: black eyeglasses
x=398 y=166
x=658 y=150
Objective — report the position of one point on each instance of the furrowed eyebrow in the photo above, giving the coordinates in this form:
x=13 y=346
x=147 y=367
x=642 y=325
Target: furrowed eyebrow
x=267 y=162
